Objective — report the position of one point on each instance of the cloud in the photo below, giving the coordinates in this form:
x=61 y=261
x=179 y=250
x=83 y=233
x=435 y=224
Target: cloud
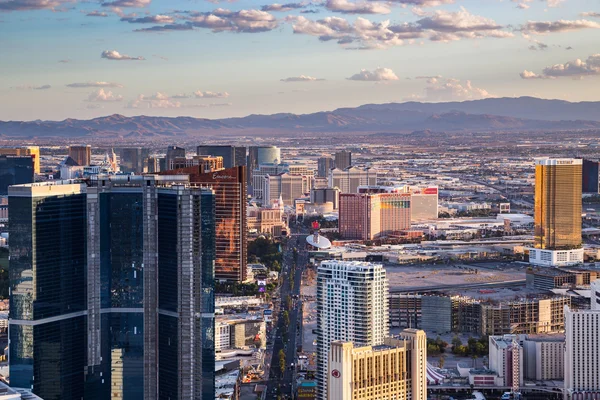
x=98 y=84
x=96 y=14
x=562 y=25
x=32 y=87
x=537 y=45
x=211 y=95
x=423 y=3
x=181 y=96
x=532 y=75
x=101 y=96
x=161 y=57
x=31 y=5
x=243 y=21
x=361 y=7
x=157 y=100
x=301 y=78
x=448 y=89
x=282 y=7
x=166 y=28
x=65 y=61
x=591 y=14
x=115 y=55
x=127 y=3
x=430 y=79
x=364 y=34
x=150 y=19
x=575 y=69
x=377 y=75
x=523 y=6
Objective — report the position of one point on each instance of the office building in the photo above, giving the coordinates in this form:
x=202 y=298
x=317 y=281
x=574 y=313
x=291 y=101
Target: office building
x=173 y=152
x=15 y=170
x=153 y=165
x=343 y=159
x=423 y=203
x=258 y=155
x=365 y=216
x=590 y=182
x=348 y=180
x=32 y=151
x=81 y=154
x=582 y=352
x=230 y=213
x=396 y=369
x=48 y=289
x=324 y=164
x=287 y=187
x=595 y=298
x=352 y=306
x=206 y=163
x=506 y=359
x=544 y=357
x=325 y=195
x=233 y=156
x=260 y=173
x=557 y=212
x=133 y=160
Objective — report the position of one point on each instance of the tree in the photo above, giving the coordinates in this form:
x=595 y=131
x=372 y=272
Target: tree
x=282 y=361
x=441 y=362
x=286 y=318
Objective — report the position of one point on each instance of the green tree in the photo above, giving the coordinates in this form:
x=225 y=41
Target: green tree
x=286 y=318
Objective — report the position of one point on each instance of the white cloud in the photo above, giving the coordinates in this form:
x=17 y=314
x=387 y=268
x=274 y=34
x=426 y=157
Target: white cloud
x=211 y=95
x=360 y=7
x=448 y=89
x=301 y=78
x=98 y=84
x=430 y=79
x=157 y=100
x=423 y=3
x=531 y=75
x=590 y=14
x=540 y=27
x=282 y=7
x=115 y=55
x=378 y=74
x=243 y=21
x=576 y=69
x=31 y=5
x=33 y=87
x=101 y=96
x=96 y=14
x=149 y=19
x=127 y=3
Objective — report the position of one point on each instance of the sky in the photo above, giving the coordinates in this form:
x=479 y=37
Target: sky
x=214 y=59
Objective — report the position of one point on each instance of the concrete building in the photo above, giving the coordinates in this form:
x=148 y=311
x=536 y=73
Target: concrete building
x=262 y=171
x=326 y=195
x=239 y=332
x=232 y=156
x=366 y=216
x=423 y=203
x=81 y=154
x=343 y=159
x=352 y=306
x=267 y=220
x=133 y=160
x=173 y=152
x=349 y=179
x=33 y=151
x=506 y=359
x=557 y=212
x=544 y=357
x=287 y=187
x=205 y=163
x=582 y=352
x=324 y=164
x=590 y=182
x=595 y=288
x=396 y=369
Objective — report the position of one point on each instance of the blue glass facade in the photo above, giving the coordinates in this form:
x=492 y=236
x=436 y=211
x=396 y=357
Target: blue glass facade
x=48 y=298
x=15 y=171
x=208 y=295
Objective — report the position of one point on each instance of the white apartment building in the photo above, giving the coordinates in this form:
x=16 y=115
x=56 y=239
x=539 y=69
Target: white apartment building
x=582 y=351
x=544 y=357
x=506 y=359
x=352 y=306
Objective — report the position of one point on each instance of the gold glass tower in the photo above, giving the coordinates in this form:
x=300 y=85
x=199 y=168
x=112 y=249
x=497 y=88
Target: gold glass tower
x=557 y=203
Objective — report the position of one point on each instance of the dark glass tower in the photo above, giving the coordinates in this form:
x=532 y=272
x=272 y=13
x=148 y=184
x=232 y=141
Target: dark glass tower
x=47 y=282
x=15 y=171
x=233 y=156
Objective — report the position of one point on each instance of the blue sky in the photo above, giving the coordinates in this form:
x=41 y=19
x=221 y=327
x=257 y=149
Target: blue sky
x=214 y=60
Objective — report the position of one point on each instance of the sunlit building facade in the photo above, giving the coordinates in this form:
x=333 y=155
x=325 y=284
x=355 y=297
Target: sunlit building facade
x=81 y=154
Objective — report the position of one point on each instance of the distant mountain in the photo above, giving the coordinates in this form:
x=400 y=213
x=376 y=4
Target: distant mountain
x=501 y=114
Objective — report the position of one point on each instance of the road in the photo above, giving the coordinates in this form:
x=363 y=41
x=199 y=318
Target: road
x=278 y=383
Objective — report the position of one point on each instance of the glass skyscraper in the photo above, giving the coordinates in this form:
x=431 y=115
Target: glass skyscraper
x=48 y=291
x=15 y=171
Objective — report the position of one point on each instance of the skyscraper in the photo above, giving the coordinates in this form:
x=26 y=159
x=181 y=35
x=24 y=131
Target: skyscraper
x=343 y=159
x=582 y=352
x=133 y=159
x=173 y=152
x=286 y=186
x=233 y=156
x=15 y=170
x=348 y=180
x=258 y=155
x=81 y=154
x=557 y=212
x=324 y=164
x=352 y=306
x=48 y=289
x=32 y=151
x=590 y=176
x=231 y=233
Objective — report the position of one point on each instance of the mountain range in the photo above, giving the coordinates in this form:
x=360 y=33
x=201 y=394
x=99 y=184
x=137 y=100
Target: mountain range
x=495 y=114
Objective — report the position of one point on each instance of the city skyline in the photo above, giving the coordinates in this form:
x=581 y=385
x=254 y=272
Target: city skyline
x=216 y=60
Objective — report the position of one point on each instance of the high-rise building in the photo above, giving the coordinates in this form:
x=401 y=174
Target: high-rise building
x=48 y=289
x=15 y=170
x=544 y=357
x=326 y=195
x=173 y=152
x=233 y=156
x=206 y=163
x=582 y=353
x=423 y=203
x=348 y=180
x=557 y=212
x=153 y=165
x=81 y=154
x=258 y=155
x=352 y=306
x=230 y=212
x=506 y=359
x=286 y=186
x=595 y=286
x=396 y=369
x=365 y=216
x=324 y=164
x=590 y=182
x=143 y=292
x=343 y=159
x=32 y=151
x=263 y=171
x=134 y=159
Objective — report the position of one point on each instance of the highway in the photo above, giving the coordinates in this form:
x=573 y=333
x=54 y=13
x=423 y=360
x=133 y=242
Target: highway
x=280 y=384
